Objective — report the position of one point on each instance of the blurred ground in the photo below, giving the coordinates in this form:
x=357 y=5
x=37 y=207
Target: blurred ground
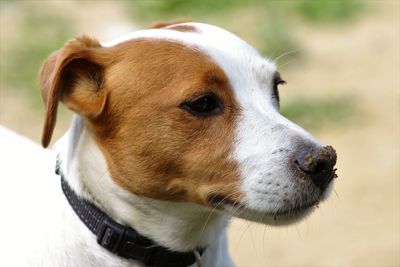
x=359 y=225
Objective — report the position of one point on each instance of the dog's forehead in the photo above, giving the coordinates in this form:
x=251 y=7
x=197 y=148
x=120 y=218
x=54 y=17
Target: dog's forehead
x=243 y=65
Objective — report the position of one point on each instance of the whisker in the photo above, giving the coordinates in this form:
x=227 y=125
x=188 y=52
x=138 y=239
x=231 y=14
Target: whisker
x=286 y=63
x=336 y=193
x=275 y=60
x=241 y=236
x=253 y=241
x=214 y=209
x=263 y=244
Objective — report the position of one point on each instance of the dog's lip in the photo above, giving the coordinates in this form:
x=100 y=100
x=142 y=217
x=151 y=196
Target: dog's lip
x=295 y=210
x=222 y=202
x=219 y=200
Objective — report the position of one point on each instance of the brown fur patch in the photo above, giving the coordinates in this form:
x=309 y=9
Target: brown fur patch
x=163 y=24
x=183 y=28
x=154 y=148
x=175 y=25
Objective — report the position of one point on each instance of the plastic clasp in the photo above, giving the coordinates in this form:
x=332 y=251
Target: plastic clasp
x=110 y=235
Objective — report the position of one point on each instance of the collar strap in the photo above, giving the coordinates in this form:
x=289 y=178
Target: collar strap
x=122 y=240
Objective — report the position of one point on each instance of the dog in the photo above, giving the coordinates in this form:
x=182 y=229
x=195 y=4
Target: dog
x=176 y=129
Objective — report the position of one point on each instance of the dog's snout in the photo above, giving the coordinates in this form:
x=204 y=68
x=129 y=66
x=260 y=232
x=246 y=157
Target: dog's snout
x=317 y=164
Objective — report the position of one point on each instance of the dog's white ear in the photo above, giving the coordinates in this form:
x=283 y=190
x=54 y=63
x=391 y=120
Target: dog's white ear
x=73 y=75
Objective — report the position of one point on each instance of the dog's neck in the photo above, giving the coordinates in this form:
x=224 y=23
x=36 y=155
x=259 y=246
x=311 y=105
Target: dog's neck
x=177 y=226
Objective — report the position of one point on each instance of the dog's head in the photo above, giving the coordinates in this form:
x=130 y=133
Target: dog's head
x=190 y=113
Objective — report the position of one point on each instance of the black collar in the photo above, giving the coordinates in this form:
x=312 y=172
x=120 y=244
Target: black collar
x=123 y=240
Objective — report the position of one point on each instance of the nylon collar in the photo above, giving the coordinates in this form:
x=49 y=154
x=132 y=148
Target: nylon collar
x=122 y=240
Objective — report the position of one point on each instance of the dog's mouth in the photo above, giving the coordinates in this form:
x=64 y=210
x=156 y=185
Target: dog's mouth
x=284 y=215
x=218 y=201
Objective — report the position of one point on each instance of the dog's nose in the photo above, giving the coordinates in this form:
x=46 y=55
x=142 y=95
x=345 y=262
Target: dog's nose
x=317 y=164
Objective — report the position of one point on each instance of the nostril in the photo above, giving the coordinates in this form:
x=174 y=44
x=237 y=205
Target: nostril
x=318 y=165
x=321 y=166
x=312 y=169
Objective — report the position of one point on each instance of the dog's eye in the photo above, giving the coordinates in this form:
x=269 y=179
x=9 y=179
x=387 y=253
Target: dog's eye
x=203 y=106
x=277 y=81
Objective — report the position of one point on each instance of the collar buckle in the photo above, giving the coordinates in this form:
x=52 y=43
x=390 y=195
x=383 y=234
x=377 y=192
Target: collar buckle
x=110 y=235
x=119 y=240
x=131 y=249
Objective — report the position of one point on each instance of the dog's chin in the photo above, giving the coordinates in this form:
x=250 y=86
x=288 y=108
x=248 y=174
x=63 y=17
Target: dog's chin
x=284 y=215
x=278 y=218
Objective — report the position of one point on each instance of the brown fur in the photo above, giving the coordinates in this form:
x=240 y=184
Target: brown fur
x=152 y=147
x=164 y=24
x=175 y=25
x=183 y=28
x=74 y=75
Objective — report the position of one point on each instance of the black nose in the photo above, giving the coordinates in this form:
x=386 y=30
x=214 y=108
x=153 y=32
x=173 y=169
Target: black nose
x=317 y=164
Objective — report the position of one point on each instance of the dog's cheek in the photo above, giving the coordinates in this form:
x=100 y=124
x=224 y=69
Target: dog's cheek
x=152 y=166
x=208 y=167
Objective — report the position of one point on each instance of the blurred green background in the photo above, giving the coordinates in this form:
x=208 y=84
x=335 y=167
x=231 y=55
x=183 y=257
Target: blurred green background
x=265 y=24
x=341 y=60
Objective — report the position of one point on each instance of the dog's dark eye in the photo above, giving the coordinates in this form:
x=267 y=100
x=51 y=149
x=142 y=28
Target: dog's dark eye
x=277 y=81
x=203 y=106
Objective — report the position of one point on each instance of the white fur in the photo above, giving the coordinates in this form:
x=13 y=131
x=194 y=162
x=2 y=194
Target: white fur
x=48 y=232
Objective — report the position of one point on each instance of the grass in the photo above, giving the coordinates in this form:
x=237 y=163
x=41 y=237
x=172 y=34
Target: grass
x=270 y=23
x=315 y=113
x=39 y=34
x=259 y=20
x=170 y=9
x=329 y=11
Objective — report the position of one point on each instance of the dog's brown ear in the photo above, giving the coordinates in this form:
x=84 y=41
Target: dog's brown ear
x=163 y=24
x=73 y=75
